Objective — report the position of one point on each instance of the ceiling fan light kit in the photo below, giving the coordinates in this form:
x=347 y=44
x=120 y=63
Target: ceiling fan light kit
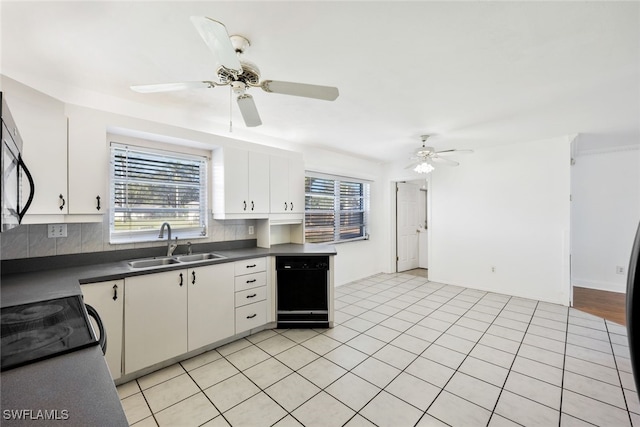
x=424 y=168
x=238 y=73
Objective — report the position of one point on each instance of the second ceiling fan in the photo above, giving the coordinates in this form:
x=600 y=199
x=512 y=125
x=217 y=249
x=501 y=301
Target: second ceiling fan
x=424 y=157
x=240 y=74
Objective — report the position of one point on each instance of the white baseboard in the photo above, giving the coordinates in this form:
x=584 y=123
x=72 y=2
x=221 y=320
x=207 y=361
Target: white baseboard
x=601 y=286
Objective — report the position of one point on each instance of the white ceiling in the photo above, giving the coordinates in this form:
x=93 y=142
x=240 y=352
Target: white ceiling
x=473 y=73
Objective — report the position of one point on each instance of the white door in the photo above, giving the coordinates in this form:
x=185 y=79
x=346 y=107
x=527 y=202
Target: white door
x=407 y=196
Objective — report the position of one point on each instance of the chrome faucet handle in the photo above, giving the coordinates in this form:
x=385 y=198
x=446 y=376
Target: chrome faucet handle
x=172 y=247
x=189 y=251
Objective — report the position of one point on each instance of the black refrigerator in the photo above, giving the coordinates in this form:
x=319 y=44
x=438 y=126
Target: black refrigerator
x=633 y=306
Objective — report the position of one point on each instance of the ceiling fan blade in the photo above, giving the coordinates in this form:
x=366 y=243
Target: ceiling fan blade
x=216 y=37
x=414 y=164
x=169 y=87
x=436 y=159
x=454 y=151
x=328 y=93
x=249 y=111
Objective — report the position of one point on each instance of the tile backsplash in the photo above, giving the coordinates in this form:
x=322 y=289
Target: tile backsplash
x=30 y=241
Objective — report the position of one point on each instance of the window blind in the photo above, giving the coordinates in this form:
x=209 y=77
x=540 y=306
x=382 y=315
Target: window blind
x=150 y=187
x=336 y=209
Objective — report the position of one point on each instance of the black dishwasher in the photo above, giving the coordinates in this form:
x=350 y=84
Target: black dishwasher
x=302 y=290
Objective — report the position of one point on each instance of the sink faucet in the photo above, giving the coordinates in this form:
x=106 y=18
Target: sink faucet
x=170 y=246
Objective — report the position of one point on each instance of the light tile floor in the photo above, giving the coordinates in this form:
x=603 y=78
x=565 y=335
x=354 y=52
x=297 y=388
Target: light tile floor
x=406 y=352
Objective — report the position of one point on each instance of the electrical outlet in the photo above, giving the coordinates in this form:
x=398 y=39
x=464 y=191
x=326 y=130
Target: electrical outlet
x=619 y=269
x=493 y=269
x=56 y=230
x=251 y=230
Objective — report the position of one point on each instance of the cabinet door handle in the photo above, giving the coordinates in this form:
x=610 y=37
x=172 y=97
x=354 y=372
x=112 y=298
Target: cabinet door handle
x=245 y=205
x=252 y=281
x=291 y=206
x=252 y=205
x=251 y=266
x=180 y=279
x=115 y=292
x=252 y=316
x=252 y=296
x=98 y=203
x=193 y=274
x=285 y=206
x=62 y=202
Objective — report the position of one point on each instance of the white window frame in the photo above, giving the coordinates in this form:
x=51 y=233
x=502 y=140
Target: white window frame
x=337 y=211
x=151 y=234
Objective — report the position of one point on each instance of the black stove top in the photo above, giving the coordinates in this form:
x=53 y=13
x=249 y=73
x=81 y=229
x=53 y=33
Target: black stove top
x=44 y=329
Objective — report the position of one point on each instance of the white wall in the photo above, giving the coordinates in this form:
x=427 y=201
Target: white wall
x=363 y=258
x=505 y=207
x=604 y=216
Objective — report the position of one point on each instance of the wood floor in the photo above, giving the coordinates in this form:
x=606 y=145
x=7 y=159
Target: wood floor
x=608 y=305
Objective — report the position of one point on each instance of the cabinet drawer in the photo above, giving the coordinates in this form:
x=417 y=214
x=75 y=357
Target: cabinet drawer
x=249 y=281
x=249 y=266
x=251 y=316
x=251 y=296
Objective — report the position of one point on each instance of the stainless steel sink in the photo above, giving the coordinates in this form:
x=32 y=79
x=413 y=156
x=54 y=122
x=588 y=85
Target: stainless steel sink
x=152 y=262
x=199 y=257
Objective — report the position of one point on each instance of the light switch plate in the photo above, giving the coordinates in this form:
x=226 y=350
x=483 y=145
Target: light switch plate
x=57 y=230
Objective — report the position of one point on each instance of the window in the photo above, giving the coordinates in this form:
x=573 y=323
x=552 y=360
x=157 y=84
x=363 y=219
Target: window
x=336 y=208
x=150 y=187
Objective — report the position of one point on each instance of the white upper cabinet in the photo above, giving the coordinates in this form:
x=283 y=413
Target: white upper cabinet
x=88 y=162
x=240 y=184
x=287 y=185
x=42 y=123
x=65 y=150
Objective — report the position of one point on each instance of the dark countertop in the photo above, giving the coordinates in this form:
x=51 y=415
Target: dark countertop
x=22 y=288
x=77 y=386
x=79 y=382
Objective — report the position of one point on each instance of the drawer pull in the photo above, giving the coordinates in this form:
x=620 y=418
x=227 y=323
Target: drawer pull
x=252 y=281
x=252 y=316
x=252 y=296
x=251 y=266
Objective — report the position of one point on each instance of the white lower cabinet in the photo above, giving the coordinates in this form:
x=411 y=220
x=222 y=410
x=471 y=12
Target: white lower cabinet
x=251 y=293
x=171 y=313
x=210 y=305
x=107 y=298
x=155 y=313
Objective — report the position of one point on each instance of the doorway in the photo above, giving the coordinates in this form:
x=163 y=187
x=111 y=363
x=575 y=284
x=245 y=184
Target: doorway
x=411 y=214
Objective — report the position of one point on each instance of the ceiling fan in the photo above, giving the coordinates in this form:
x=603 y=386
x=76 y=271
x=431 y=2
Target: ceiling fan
x=424 y=157
x=238 y=73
